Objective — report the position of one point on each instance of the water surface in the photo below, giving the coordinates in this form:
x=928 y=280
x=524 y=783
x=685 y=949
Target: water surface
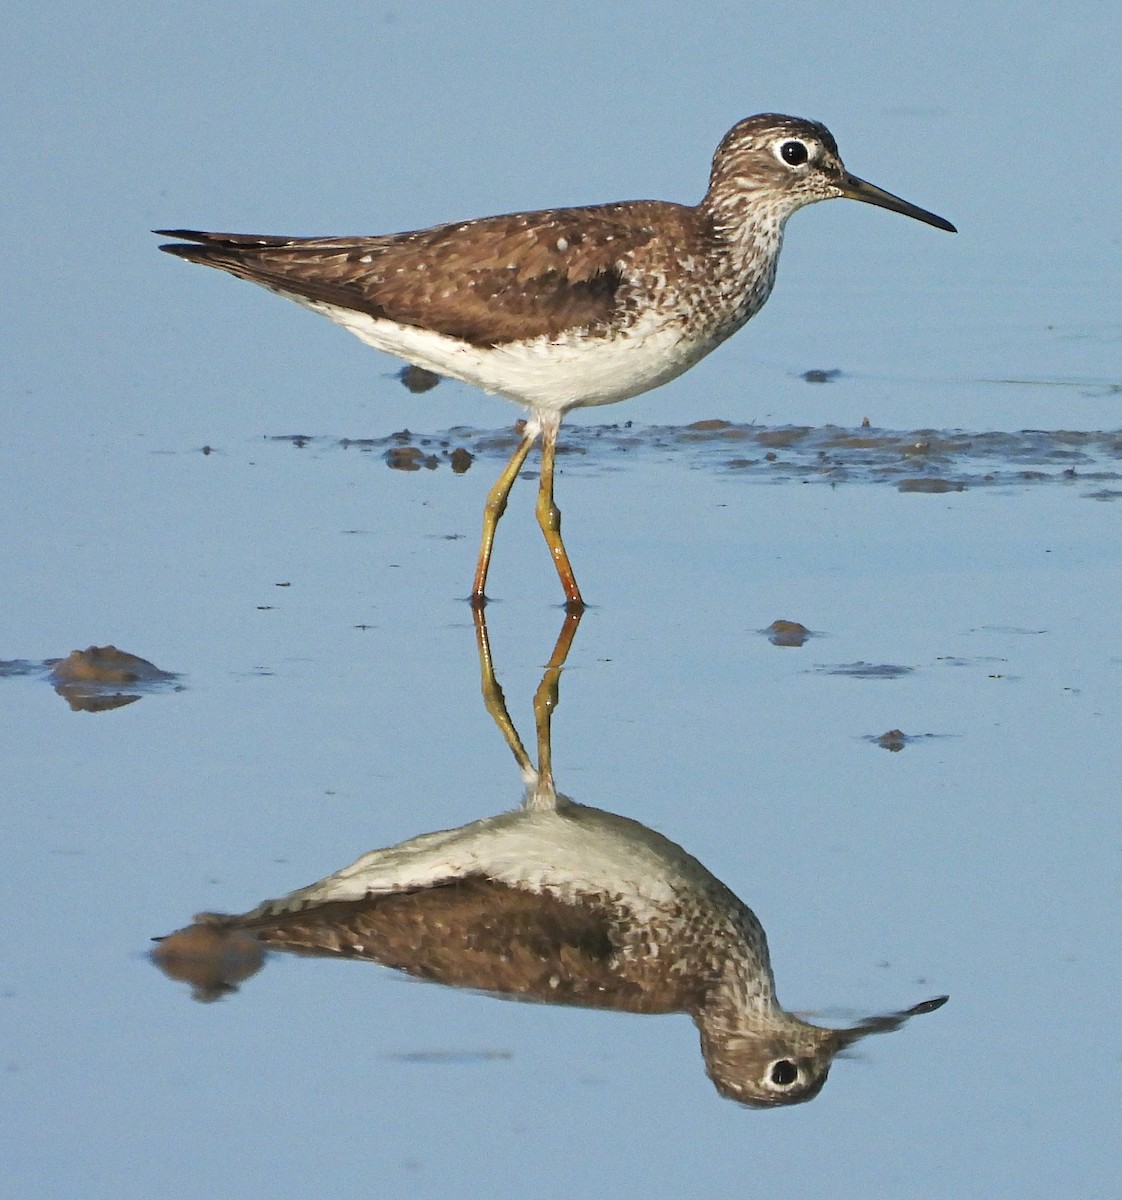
x=912 y=456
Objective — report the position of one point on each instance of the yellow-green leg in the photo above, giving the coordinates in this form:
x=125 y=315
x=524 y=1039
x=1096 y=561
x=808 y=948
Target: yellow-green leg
x=494 y=509
x=549 y=518
x=493 y=699
x=546 y=697
x=540 y=779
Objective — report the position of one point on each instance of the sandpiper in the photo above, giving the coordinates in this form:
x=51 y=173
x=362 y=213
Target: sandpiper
x=565 y=308
x=555 y=902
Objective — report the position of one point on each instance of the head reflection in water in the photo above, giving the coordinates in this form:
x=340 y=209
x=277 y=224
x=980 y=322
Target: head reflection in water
x=554 y=902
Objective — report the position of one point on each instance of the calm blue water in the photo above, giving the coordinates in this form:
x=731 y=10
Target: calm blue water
x=310 y=599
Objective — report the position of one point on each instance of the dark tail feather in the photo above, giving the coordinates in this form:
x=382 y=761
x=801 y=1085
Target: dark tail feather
x=220 y=241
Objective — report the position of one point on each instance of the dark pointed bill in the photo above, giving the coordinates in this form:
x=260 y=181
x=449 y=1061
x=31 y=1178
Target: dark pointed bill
x=857 y=189
x=887 y=1023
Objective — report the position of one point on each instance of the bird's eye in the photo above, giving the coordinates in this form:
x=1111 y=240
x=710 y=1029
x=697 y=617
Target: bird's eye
x=794 y=154
x=784 y=1072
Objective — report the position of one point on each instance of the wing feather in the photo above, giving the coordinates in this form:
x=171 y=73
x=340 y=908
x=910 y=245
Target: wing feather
x=485 y=282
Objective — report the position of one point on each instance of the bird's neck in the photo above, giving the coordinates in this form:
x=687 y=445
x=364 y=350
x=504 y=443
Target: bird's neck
x=745 y=230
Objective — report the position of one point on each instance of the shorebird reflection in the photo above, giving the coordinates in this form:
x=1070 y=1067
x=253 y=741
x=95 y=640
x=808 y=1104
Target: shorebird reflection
x=554 y=902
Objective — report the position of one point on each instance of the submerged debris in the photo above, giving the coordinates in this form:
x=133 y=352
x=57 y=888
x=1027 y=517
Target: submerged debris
x=787 y=633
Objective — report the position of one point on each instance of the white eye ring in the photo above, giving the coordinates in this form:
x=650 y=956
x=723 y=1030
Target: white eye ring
x=792 y=152
x=782 y=1073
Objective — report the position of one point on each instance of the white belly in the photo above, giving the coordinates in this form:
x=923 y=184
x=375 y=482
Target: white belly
x=573 y=371
x=568 y=851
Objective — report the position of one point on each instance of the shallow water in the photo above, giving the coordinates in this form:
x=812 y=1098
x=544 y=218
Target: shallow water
x=854 y=580
x=920 y=460
x=329 y=702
